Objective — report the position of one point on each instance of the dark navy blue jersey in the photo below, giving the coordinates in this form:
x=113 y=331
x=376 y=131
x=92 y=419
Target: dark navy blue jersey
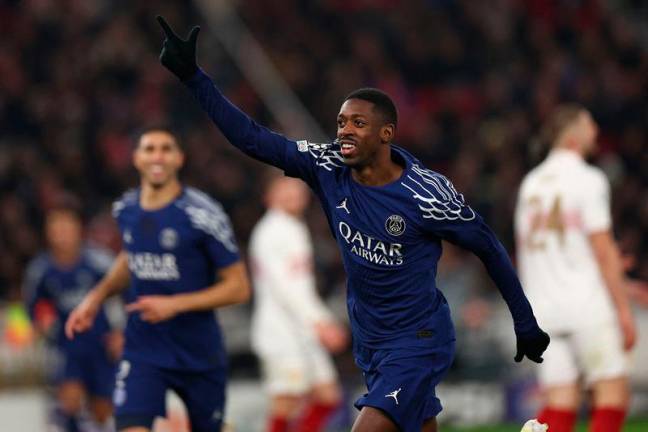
x=389 y=236
x=64 y=288
x=176 y=249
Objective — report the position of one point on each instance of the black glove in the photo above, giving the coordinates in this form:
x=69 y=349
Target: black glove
x=531 y=345
x=178 y=55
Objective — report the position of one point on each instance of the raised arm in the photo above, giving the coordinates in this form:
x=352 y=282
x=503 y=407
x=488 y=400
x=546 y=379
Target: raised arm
x=179 y=57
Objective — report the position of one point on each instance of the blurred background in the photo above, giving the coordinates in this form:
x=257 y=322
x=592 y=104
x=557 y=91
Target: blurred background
x=472 y=80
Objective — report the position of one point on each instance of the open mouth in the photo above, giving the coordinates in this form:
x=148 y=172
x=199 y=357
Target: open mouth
x=347 y=148
x=156 y=170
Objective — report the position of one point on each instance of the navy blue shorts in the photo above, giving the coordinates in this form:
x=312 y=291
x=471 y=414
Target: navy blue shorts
x=401 y=382
x=140 y=395
x=92 y=367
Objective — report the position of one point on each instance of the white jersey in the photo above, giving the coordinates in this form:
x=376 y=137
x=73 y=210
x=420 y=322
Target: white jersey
x=561 y=202
x=286 y=303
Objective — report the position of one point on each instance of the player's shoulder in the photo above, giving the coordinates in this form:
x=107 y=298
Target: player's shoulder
x=530 y=179
x=264 y=231
x=326 y=156
x=207 y=215
x=128 y=200
x=434 y=194
x=193 y=198
x=592 y=183
x=276 y=224
x=276 y=234
x=595 y=174
x=545 y=173
x=98 y=258
x=38 y=266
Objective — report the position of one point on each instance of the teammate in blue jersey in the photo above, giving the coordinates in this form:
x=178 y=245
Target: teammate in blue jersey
x=57 y=280
x=181 y=261
x=388 y=214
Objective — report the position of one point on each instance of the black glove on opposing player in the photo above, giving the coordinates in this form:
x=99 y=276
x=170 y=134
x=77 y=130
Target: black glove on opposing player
x=531 y=345
x=179 y=55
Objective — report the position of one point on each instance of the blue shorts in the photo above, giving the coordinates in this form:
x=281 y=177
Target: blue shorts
x=92 y=367
x=140 y=395
x=401 y=382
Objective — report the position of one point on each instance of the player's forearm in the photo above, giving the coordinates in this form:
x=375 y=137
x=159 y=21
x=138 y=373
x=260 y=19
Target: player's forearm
x=501 y=271
x=243 y=132
x=483 y=243
x=609 y=261
x=115 y=281
x=227 y=292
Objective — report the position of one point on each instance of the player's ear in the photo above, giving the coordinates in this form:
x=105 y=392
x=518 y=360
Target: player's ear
x=182 y=159
x=135 y=156
x=387 y=133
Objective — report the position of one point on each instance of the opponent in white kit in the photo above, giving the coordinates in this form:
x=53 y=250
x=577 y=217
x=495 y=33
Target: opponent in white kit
x=291 y=327
x=571 y=271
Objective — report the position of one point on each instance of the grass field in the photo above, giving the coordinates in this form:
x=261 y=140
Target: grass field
x=631 y=426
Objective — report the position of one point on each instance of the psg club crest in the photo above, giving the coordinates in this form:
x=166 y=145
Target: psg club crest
x=168 y=238
x=395 y=225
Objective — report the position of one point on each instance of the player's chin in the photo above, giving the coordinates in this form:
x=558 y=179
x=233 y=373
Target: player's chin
x=157 y=183
x=351 y=161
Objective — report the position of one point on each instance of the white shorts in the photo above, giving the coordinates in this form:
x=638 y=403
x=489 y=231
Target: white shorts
x=592 y=353
x=297 y=371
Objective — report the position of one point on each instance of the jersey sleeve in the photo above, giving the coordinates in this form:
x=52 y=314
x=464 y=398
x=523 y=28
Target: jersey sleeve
x=121 y=206
x=446 y=216
x=297 y=158
x=596 y=204
x=33 y=289
x=215 y=227
x=100 y=260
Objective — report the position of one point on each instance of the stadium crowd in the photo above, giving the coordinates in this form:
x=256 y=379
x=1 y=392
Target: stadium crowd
x=473 y=81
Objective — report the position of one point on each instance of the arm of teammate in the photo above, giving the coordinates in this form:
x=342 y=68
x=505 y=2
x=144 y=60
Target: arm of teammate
x=179 y=57
x=233 y=288
x=609 y=261
x=33 y=293
x=116 y=280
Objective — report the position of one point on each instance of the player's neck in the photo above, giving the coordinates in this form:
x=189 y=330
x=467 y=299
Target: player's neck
x=65 y=258
x=382 y=171
x=292 y=213
x=569 y=150
x=154 y=198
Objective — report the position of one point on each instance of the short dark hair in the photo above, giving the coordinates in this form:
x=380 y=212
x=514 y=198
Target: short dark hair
x=563 y=116
x=68 y=203
x=381 y=100
x=156 y=128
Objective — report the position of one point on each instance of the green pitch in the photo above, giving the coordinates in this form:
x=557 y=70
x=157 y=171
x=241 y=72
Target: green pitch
x=631 y=426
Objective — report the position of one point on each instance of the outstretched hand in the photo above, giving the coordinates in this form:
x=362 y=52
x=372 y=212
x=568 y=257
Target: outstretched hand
x=179 y=55
x=531 y=345
x=83 y=316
